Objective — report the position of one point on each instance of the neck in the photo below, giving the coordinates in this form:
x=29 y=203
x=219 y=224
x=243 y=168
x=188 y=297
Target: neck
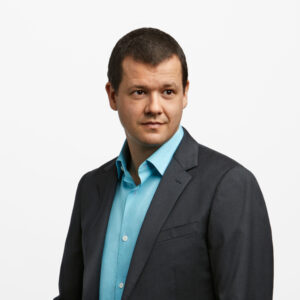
x=138 y=154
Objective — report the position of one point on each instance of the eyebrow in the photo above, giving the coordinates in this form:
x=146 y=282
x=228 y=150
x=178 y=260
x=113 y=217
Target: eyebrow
x=172 y=84
x=166 y=85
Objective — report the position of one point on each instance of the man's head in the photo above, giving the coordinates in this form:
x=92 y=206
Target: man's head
x=147 y=45
x=148 y=86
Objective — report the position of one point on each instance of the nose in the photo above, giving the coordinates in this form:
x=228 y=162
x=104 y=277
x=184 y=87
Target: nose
x=153 y=105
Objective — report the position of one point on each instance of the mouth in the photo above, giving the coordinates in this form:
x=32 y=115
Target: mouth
x=152 y=125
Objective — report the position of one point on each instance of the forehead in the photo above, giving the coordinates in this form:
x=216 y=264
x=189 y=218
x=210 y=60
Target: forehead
x=136 y=72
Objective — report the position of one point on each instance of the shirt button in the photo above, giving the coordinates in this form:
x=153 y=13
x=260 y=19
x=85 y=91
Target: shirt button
x=122 y=168
x=121 y=285
x=125 y=238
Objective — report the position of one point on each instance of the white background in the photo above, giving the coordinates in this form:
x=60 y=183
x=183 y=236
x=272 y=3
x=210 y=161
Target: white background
x=56 y=124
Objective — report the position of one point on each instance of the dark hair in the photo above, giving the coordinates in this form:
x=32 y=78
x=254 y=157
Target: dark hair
x=148 y=45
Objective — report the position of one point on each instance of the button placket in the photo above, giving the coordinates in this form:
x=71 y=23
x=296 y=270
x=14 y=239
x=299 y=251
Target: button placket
x=123 y=242
x=124 y=236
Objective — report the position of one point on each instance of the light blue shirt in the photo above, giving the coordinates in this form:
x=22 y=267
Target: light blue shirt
x=128 y=211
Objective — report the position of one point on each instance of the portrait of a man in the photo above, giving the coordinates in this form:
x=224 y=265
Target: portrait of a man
x=169 y=218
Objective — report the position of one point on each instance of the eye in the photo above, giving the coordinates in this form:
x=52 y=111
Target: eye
x=168 y=92
x=138 y=92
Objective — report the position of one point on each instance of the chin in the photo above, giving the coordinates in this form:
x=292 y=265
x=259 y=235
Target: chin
x=153 y=141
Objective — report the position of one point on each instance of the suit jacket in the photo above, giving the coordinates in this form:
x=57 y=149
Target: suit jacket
x=206 y=234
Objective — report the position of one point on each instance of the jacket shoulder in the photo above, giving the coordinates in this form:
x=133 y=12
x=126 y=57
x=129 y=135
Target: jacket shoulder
x=98 y=171
x=218 y=162
x=207 y=160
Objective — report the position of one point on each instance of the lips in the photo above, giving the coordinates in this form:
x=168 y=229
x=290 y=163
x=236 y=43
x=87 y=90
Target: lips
x=152 y=125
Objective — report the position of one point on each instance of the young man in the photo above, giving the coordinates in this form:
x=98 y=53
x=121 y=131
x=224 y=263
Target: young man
x=169 y=218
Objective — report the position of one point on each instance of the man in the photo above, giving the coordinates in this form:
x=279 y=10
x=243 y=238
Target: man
x=169 y=218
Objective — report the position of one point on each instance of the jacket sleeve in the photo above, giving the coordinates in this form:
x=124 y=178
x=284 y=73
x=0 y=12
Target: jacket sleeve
x=240 y=239
x=71 y=270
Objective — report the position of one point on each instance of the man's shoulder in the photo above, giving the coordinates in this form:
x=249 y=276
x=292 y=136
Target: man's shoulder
x=205 y=155
x=213 y=156
x=99 y=170
x=212 y=161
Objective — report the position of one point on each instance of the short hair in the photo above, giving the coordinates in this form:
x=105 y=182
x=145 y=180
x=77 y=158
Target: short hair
x=148 y=45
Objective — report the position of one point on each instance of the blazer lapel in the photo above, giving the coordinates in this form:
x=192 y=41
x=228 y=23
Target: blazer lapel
x=171 y=186
x=106 y=186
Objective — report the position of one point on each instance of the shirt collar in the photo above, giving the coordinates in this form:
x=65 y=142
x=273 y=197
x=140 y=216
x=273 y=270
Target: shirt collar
x=163 y=155
x=160 y=159
x=122 y=159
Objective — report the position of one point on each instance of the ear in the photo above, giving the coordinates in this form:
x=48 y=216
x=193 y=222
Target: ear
x=111 y=96
x=185 y=94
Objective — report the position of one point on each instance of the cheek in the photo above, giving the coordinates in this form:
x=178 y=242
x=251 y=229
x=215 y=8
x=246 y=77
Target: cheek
x=174 y=112
x=129 y=114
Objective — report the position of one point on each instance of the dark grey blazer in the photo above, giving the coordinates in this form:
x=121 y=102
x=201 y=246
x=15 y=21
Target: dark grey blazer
x=206 y=234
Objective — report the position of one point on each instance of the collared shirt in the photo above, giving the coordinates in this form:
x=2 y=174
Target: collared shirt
x=128 y=211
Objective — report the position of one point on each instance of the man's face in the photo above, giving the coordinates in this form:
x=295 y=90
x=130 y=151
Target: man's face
x=150 y=100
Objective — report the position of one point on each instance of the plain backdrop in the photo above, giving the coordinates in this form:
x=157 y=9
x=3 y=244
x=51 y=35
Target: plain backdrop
x=56 y=124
